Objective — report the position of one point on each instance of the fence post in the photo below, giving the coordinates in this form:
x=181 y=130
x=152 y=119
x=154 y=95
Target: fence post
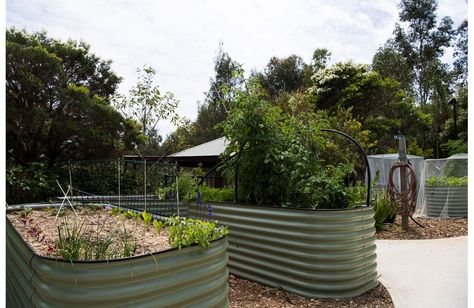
x=144 y=180
x=118 y=179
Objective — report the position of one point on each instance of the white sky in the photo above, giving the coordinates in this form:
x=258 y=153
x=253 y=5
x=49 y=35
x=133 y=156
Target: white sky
x=180 y=39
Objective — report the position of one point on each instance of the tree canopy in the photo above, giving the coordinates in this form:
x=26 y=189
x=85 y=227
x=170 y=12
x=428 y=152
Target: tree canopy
x=58 y=103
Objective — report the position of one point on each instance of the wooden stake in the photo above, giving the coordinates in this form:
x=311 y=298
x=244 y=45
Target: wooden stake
x=402 y=147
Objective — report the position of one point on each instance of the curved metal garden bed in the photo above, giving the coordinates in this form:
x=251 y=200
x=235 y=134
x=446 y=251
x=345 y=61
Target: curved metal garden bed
x=450 y=201
x=170 y=278
x=314 y=253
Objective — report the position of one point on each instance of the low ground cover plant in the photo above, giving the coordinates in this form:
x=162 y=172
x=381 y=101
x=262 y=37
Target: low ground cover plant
x=446 y=181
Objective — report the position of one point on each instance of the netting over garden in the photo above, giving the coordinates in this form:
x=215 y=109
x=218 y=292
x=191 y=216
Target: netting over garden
x=444 y=188
x=131 y=184
x=382 y=163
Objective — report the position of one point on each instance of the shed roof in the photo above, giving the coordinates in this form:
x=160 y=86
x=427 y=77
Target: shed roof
x=211 y=148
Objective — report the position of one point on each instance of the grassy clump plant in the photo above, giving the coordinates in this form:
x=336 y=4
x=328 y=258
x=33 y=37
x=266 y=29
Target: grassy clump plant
x=385 y=210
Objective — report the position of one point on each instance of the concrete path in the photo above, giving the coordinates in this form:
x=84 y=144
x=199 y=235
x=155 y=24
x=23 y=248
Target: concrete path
x=424 y=273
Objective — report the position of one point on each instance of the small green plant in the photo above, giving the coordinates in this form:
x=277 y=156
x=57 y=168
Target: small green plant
x=70 y=241
x=116 y=211
x=385 y=211
x=147 y=218
x=185 y=232
x=131 y=214
x=446 y=181
x=158 y=224
x=26 y=212
x=128 y=243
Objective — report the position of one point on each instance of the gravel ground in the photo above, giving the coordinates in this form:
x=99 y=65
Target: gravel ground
x=434 y=228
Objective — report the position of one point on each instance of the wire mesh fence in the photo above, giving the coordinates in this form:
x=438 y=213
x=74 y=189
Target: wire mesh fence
x=130 y=184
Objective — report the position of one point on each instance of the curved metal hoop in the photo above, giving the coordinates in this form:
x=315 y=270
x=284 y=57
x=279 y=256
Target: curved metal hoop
x=359 y=147
x=361 y=152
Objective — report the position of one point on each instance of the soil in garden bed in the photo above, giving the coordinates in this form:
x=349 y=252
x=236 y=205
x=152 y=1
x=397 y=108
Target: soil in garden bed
x=435 y=228
x=39 y=229
x=244 y=293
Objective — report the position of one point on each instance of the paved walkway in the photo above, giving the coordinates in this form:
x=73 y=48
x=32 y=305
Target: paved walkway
x=424 y=273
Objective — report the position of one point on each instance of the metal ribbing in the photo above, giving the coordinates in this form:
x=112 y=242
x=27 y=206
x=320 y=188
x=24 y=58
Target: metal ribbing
x=174 y=278
x=314 y=253
x=448 y=201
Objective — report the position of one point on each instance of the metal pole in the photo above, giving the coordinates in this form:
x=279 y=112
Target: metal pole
x=144 y=180
x=402 y=148
x=177 y=194
x=118 y=178
x=70 y=179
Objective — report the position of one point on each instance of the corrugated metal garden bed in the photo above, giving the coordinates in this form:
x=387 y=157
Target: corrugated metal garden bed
x=314 y=253
x=169 y=278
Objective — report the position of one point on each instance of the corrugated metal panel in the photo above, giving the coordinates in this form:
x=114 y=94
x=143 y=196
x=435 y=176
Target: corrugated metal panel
x=448 y=201
x=314 y=253
x=173 y=278
x=212 y=148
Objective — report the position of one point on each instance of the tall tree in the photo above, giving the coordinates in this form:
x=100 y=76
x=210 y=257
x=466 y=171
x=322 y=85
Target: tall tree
x=219 y=98
x=376 y=101
x=57 y=109
x=149 y=107
x=421 y=43
x=461 y=54
x=389 y=62
x=283 y=75
x=57 y=94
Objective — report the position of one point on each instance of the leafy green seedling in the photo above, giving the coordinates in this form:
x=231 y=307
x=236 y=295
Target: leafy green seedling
x=116 y=211
x=158 y=224
x=146 y=218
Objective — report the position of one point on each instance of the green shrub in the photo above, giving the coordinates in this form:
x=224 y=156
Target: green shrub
x=446 y=181
x=216 y=194
x=281 y=157
x=187 y=185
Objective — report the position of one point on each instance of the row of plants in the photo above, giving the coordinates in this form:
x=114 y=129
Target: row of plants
x=446 y=181
x=75 y=241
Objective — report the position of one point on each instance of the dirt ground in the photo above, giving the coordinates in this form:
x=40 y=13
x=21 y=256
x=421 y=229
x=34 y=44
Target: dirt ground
x=434 y=228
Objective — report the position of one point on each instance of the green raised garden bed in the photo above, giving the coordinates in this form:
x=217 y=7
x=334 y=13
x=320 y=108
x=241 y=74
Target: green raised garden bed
x=170 y=278
x=314 y=253
x=446 y=201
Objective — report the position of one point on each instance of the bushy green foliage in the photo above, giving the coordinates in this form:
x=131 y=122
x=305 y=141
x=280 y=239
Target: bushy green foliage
x=216 y=194
x=446 y=181
x=187 y=185
x=185 y=232
x=279 y=161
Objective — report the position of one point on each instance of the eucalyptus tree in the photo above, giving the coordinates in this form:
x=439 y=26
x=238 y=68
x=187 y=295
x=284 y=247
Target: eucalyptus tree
x=422 y=42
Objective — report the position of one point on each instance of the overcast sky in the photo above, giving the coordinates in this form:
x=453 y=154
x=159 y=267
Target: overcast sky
x=180 y=39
